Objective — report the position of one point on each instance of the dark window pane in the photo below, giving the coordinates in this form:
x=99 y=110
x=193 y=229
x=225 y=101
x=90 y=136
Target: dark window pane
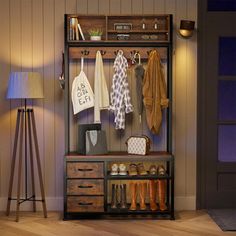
x=221 y=5
x=227 y=100
x=227 y=143
x=227 y=56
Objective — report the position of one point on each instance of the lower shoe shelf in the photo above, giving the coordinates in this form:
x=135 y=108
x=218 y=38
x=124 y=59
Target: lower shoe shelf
x=119 y=210
x=119 y=213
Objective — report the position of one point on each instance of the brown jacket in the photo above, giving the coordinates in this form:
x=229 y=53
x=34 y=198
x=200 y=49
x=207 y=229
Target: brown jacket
x=154 y=92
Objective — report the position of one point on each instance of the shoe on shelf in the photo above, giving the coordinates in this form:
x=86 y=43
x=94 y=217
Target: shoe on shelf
x=123 y=201
x=153 y=170
x=114 y=169
x=133 y=195
x=141 y=169
x=133 y=169
x=122 y=169
x=114 y=196
x=161 y=170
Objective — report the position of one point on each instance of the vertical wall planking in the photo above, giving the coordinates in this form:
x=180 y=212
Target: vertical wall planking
x=104 y=6
x=148 y=6
x=170 y=8
x=159 y=6
x=160 y=140
x=15 y=62
x=5 y=149
x=180 y=101
x=59 y=95
x=93 y=7
x=114 y=135
x=191 y=103
x=71 y=6
x=137 y=7
x=125 y=134
x=126 y=7
x=37 y=66
x=49 y=100
x=81 y=7
x=136 y=127
x=26 y=45
x=115 y=7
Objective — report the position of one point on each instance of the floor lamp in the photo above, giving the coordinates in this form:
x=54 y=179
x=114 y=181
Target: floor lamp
x=25 y=85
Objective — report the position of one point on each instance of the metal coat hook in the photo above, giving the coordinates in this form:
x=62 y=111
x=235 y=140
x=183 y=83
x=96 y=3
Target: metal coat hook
x=85 y=52
x=116 y=52
x=148 y=52
x=139 y=57
x=103 y=52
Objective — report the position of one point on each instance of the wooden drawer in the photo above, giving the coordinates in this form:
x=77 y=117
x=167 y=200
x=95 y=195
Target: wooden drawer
x=85 y=204
x=85 y=170
x=85 y=187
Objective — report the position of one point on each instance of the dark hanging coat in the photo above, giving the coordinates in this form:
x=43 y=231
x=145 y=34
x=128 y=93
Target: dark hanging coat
x=154 y=92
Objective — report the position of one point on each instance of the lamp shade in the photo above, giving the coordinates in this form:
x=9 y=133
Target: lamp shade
x=25 y=85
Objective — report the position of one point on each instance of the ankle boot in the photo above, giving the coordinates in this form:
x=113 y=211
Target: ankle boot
x=123 y=202
x=152 y=194
x=114 y=199
x=142 y=195
x=161 y=183
x=133 y=193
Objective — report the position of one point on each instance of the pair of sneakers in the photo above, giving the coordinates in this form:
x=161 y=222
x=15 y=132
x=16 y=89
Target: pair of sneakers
x=137 y=169
x=118 y=169
x=157 y=170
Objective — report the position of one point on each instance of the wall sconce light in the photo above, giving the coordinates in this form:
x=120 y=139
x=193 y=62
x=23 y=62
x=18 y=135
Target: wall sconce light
x=186 y=28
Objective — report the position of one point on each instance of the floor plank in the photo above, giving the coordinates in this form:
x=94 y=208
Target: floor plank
x=187 y=223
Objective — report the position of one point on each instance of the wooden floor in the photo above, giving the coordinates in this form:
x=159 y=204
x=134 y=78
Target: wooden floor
x=31 y=224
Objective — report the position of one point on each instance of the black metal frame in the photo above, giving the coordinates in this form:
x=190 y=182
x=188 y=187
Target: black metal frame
x=170 y=164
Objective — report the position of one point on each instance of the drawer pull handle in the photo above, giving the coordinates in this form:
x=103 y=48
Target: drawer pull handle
x=81 y=186
x=85 y=203
x=85 y=169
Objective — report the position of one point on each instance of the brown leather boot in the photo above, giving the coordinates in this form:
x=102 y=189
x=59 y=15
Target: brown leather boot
x=142 y=195
x=133 y=193
x=161 y=184
x=152 y=194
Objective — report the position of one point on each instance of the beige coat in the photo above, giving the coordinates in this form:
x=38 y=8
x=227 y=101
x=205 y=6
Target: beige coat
x=154 y=92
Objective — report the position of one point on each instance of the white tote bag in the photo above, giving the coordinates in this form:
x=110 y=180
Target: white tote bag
x=81 y=93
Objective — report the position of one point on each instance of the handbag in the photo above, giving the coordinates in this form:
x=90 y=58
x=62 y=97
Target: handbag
x=82 y=128
x=139 y=145
x=96 y=142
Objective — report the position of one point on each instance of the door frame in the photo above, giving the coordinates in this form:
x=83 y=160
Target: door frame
x=201 y=193
x=201 y=196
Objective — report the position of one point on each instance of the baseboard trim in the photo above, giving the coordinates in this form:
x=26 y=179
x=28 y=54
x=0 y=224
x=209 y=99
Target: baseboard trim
x=56 y=204
x=185 y=203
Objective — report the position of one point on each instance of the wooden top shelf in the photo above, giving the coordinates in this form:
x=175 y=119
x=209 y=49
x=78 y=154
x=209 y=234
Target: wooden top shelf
x=121 y=156
x=112 y=25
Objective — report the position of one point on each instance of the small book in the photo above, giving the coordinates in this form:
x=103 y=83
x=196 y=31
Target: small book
x=81 y=32
x=76 y=30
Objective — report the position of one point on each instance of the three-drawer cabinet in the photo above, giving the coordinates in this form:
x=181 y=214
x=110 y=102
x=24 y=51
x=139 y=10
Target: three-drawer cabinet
x=85 y=186
x=90 y=186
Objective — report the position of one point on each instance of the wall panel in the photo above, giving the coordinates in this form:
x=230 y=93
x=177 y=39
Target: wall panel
x=59 y=112
x=37 y=65
x=49 y=98
x=5 y=122
x=115 y=7
x=180 y=102
x=33 y=39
